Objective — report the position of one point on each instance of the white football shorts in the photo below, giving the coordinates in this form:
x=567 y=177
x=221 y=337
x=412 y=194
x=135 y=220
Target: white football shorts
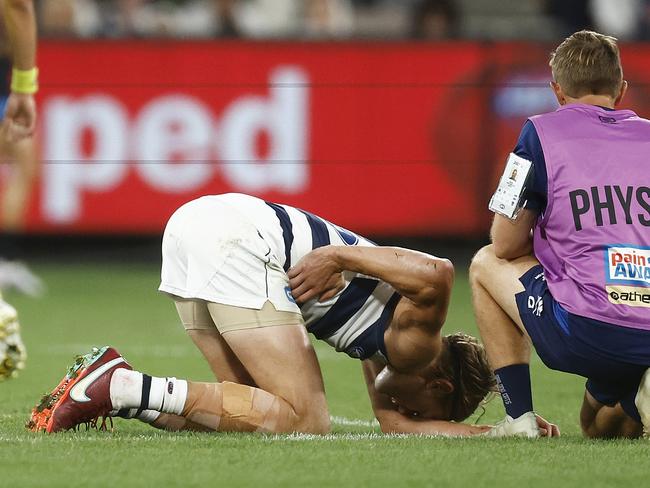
x=212 y=252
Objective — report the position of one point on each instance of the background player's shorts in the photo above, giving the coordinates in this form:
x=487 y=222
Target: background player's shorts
x=3 y=105
x=611 y=357
x=213 y=253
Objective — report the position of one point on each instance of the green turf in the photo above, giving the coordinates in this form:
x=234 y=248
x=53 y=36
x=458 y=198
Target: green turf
x=118 y=305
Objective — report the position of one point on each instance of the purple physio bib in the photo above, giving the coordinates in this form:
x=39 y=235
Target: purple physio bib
x=593 y=239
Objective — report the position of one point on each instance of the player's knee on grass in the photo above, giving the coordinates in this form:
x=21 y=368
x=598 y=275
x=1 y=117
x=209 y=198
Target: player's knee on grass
x=314 y=419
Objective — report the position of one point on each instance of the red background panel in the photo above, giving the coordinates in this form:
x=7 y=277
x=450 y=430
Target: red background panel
x=382 y=138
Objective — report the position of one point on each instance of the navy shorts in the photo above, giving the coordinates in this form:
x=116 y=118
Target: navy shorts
x=612 y=358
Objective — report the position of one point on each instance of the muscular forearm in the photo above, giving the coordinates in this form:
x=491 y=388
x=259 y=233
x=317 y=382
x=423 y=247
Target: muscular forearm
x=413 y=274
x=21 y=31
x=395 y=423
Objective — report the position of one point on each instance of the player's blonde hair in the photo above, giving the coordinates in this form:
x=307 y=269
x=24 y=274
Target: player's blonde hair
x=469 y=371
x=588 y=63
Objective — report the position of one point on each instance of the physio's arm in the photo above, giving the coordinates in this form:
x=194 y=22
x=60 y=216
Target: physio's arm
x=393 y=422
x=422 y=278
x=513 y=238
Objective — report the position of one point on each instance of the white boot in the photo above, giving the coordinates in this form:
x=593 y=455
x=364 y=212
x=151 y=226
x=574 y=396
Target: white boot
x=642 y=401
x=523 y=426
x=12 y=349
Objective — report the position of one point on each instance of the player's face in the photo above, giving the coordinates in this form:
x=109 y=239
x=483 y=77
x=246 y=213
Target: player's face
x=414 y=396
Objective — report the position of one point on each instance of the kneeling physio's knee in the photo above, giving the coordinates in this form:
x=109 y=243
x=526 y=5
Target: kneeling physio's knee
x=481 y=263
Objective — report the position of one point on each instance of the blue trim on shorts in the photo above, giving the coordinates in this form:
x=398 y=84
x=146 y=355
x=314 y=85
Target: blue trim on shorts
x=3 y=106
x=612 y=358
x=562 y=317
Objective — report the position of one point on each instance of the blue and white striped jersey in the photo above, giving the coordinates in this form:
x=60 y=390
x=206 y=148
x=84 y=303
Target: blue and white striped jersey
x=355 y=319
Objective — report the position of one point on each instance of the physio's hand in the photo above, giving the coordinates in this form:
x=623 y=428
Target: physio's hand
x=546 y=428
x=316 y=275
x=20 y=117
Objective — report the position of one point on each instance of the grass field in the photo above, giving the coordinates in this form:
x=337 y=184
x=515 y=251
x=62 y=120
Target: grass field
x=97 y=304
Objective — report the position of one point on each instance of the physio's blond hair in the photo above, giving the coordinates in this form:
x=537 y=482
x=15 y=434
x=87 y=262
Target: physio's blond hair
x=588 y=63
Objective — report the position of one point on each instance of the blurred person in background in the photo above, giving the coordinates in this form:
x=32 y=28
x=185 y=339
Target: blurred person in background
x=621 y=18
x=285 y=18
x=139 y=18
x=70 y=18
x=197 y=18
x=327 y=18
x=436 y=20
x=16 y=144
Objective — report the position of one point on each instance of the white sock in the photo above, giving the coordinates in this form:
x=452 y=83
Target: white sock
x=126 y=389
x=131 y=389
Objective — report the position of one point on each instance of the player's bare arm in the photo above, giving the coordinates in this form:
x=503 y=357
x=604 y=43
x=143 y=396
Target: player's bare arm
x=423 y=279
x=21 y=30
x=424 y=282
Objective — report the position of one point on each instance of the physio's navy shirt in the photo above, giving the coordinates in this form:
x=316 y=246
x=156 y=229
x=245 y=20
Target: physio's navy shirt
x=529 y=147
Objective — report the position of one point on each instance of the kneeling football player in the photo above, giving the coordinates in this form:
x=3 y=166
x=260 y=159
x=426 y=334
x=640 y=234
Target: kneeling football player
x=249 y=279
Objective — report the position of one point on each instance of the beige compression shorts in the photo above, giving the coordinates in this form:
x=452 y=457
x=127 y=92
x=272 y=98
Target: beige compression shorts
x=199 y=314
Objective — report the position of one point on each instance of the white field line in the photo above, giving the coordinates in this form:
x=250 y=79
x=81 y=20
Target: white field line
x=38 y=438
x=371 y=436
x=343 y=421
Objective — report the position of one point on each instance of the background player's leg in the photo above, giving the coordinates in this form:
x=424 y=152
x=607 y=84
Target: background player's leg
x=16 y=190
x=19 y=184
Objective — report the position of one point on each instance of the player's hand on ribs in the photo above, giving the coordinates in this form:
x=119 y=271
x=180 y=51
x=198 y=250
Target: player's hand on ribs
x=316 y=275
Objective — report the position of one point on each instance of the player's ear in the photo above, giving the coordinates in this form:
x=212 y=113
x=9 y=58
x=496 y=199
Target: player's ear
x=558 y=92
x=441 y=385
x=621 y=93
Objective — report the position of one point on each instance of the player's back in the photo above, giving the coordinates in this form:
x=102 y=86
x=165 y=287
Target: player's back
x=354 y=320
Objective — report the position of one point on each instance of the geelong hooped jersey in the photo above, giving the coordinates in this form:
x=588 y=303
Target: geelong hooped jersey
x=355 y=319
